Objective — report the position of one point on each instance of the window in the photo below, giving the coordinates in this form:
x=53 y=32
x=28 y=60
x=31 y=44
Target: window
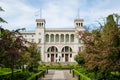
x=56 y=55
x=25 y=35
x=47 y=38
x=79 y=41
x=72 y=37
x=39 y=40
x=48 y=55
x=67 y=38
x=62 y=38
x=62 y=55
x=79 y=49
x=32 y=35
x=25 y=41
x=38 y=24
x=70 y=55
x=39 y=49
x=39 y=33
x=77 y=24
x=52 y=38
x=32 y=40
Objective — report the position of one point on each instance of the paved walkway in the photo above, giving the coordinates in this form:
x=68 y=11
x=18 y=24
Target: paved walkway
x=58 y=75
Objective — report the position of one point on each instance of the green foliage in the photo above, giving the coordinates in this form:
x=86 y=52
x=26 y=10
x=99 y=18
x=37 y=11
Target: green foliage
x=102 y=53
x=17 y=76
x=79 y=59
x=34 y=56
x=1 y=19
x=39 y=74
x=82 y=76
x=5 y=73
x=55 y=66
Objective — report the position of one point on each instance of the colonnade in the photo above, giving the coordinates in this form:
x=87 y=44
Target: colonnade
x=59 y=37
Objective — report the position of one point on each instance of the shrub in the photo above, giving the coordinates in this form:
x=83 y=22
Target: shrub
x=17 y=76
x=39 y=74
x=83 y=77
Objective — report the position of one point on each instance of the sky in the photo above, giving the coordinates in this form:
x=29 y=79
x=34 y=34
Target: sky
x=57 y=13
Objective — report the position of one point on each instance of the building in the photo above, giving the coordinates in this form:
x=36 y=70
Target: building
x=58 y=44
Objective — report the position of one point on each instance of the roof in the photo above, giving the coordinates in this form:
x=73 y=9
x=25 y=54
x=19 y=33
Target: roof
x=60 y=29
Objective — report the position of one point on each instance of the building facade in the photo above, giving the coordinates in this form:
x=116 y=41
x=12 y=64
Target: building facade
x=58 y=44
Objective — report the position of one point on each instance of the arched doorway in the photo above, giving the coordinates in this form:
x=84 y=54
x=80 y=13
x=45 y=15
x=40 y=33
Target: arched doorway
x=66 y=52
x=52 y=51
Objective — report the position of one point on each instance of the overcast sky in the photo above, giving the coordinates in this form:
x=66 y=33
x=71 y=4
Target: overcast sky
x=57 y=13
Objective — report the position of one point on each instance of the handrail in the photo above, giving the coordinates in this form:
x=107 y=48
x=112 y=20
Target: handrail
x=81 y=75
x=38 y=75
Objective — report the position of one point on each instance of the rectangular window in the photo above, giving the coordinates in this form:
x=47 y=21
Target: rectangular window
x=48 y=55
x=70 y=55
x=39 y=40
x=39 y=49
x=25 y=35
x=56 y=55
x=25 y=41
x=79 y=49
x=32 y=40
x=62 y=55
x=80 y=41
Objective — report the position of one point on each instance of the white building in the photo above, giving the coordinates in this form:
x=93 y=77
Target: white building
x=57 y=44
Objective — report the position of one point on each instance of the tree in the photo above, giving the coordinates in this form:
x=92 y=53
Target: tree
x=102 y=52
x=1 y=19
x=11 y=47
x=34 y=55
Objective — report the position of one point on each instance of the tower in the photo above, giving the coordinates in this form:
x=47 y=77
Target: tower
x=78 y=23
x=79 y=26
x=40 y=23
x=40 y=38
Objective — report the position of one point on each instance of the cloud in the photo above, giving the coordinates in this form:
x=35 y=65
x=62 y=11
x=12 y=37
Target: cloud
x=17 y=14
x=57 y=13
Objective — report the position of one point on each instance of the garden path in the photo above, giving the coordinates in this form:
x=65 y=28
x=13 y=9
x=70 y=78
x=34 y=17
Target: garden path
x=58 y=75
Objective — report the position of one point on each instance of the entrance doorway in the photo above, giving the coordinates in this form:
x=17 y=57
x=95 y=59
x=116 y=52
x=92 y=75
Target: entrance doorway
x=66 y=57
x=52 y=57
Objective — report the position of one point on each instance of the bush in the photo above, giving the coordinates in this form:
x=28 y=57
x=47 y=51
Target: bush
x=17 y=76
x=83 y=77
x=39 y=74
x=80 y=59
x=59 y=66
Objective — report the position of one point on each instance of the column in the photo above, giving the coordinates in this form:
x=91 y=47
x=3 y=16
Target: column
x=54 y=38
x=69 y=49
x=64 y=38
x=49 y=38
x=69 y=38
x=50 y=49
x=59 y=38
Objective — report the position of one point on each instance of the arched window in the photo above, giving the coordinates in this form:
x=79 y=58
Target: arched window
x=47 y=38
x=52 y=38
x=57 y=38
x=82 y=24
x=67 y=38
x=66 y=49
x=72 y=37
x=52 y=49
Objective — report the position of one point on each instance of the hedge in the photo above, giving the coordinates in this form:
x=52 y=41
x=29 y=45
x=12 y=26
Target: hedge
x=39 y=74
x=17 y=76
x=82 y=76
x=7 y=73
x=60 y=66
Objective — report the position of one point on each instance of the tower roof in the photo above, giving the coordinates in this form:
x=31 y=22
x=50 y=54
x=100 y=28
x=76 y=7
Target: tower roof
x=40 y=20
x=78 y=20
